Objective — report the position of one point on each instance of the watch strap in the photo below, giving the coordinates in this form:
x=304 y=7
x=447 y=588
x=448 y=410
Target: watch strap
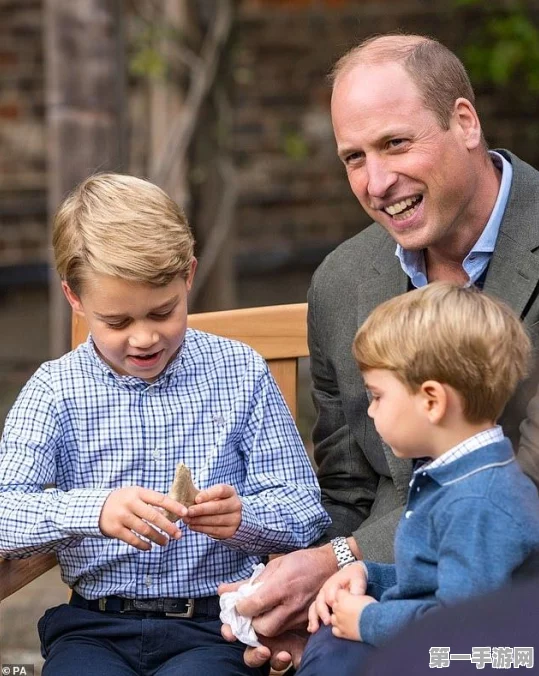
x=342 y=551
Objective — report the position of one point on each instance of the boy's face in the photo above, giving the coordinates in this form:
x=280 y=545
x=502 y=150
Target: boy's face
x=399 y=416
x=137 y=328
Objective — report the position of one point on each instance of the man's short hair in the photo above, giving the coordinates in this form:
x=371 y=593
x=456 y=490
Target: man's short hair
x=452 y=334
x=436 y=71
x=121 y=226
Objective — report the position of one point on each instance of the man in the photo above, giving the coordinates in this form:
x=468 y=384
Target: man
x=444 y=208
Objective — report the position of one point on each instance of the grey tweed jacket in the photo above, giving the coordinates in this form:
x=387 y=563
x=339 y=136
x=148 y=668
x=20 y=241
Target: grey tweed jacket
x=364 y=486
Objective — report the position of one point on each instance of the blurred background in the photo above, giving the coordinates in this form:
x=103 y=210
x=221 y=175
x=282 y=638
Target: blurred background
x=225 y=104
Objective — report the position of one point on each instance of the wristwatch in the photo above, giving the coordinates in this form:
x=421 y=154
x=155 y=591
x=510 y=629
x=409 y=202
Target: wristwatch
x=342 y=551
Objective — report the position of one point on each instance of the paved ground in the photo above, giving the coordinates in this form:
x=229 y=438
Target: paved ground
x=19 y=615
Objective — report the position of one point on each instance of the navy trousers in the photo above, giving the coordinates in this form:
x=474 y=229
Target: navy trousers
x=80 y=642
x=325 y=654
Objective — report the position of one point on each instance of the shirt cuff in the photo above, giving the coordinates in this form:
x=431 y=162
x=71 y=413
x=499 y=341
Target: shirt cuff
x=82 y=510
x=252 y=536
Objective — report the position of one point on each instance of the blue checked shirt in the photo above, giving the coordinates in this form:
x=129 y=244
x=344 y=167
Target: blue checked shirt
x=78 y=431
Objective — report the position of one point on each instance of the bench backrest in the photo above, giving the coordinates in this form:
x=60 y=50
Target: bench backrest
x=278 y=333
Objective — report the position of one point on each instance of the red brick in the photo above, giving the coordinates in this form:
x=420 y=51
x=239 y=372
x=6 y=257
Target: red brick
x=9 y=111
x=8 y=58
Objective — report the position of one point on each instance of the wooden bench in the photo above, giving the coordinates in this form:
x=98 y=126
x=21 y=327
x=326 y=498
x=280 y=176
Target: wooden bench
x=278 y=333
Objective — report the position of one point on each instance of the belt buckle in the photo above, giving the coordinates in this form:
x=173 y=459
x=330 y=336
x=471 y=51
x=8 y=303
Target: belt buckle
x=102 y=604
x=190 y=604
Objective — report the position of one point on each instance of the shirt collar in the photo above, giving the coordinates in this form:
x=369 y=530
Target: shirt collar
x=413 y=262
x=491 y=455
x=491 y=436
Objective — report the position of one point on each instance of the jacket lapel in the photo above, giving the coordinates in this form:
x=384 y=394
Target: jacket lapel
x=387 y=280
x=513 y=274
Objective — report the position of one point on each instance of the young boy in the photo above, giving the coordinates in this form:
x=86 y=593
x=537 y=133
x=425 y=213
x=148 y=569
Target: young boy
x=90 y=448
x=440 y=364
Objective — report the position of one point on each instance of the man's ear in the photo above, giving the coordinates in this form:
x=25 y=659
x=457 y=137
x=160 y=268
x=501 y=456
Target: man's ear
x=433 y=398
x=72 y=299
x=467 y=121
x=191 y=275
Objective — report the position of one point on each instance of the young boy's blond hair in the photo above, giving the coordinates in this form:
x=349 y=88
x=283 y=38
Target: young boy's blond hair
x=124 y=227
x=455 y=335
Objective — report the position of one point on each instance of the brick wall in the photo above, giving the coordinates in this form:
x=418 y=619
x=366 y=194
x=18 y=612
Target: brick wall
x=23 y=236
x=295 y=197
x=295 y=203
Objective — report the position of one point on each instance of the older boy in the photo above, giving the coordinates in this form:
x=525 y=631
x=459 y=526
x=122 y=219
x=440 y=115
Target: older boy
x=105 y=426
x=440 y=364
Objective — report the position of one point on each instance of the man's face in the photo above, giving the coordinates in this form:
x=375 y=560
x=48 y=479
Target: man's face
x=414 y=178
x=137 y=328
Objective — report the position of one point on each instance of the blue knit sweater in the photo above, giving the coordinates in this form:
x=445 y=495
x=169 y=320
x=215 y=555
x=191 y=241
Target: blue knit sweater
x=467 y=526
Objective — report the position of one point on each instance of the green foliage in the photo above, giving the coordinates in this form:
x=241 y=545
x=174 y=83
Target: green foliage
x=505 y=46
x=147 y=61
x=148 y=54
x=295 y=146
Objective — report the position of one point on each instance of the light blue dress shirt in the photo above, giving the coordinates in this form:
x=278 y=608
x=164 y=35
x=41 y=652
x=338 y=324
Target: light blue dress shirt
x=476 y=262
x=82 y=428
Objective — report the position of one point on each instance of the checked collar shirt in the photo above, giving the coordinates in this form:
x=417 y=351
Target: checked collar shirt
x=78 y=430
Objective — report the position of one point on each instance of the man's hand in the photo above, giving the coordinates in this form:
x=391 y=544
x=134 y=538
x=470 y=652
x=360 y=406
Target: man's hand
x=216 y=512
x=133 y=513
x=352 y=578
x=281 y=651
x=289 y=585
x=347 y=611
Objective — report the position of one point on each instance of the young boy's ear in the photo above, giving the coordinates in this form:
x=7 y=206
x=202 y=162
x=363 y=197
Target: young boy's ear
x=72 y=299
x=191 y=274
x=433 y=400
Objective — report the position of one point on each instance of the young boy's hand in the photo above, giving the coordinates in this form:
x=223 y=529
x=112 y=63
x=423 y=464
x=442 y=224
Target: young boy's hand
x=347 y=611
x=352 y=578
x=131 y=512
x=217 y=512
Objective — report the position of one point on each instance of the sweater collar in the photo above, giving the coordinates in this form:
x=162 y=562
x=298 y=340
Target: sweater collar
x=496 y=454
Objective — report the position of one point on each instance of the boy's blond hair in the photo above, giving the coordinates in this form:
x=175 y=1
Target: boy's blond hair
x=121 y=226
x=455 y=335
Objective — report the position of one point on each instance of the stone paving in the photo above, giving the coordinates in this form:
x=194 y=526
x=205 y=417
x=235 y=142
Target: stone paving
x=19 y=643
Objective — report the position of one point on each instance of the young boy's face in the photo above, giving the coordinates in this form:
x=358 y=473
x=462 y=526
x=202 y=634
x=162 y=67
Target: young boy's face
x=398 y=415
x=137 y=328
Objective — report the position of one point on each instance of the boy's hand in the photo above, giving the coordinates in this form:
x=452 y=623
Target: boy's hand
x=352 y=578
x=131 y=512
x=217 y=512
x=347 y=611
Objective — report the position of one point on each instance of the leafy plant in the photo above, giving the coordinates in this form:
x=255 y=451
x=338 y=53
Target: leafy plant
x=505 y=46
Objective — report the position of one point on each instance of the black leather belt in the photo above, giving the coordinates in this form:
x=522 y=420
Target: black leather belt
x=207 y=606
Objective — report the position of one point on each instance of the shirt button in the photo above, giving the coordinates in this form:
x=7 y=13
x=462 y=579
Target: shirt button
x=148 y=580
x=418 y=489
x=408 y=514
x=156 y=454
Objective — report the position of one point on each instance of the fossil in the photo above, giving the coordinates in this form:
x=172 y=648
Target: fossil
x=183 y=489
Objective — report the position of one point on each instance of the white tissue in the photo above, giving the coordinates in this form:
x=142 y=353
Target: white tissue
x=241 y=626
